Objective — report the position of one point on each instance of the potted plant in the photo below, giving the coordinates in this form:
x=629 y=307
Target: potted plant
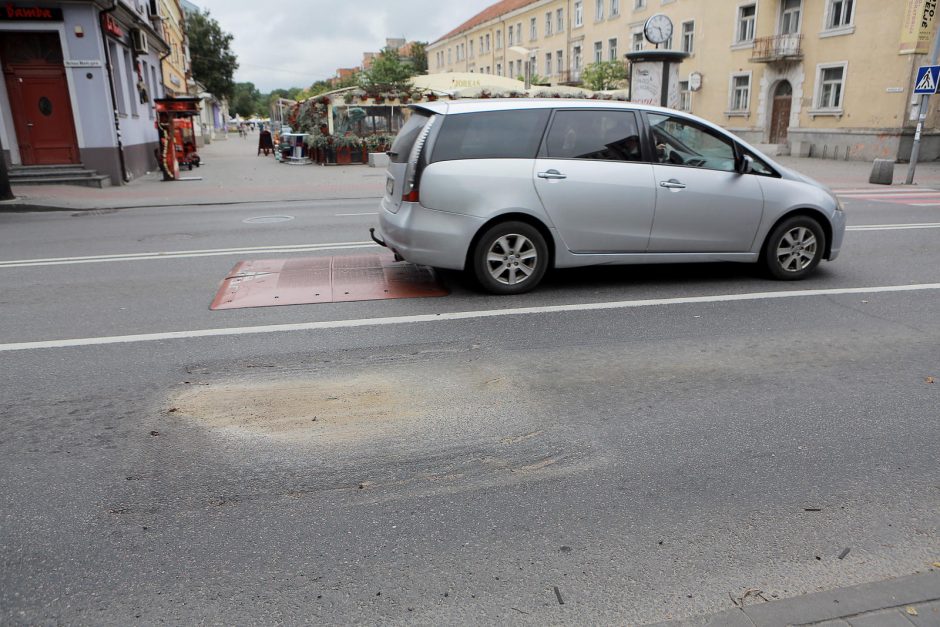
x=432 y=97
x=344 y=145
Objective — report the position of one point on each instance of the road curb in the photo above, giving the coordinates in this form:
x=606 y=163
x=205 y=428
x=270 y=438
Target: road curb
x=824 y=606
x=16 y=206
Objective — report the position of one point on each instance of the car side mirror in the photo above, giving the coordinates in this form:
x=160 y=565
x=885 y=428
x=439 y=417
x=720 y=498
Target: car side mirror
x=745 y=164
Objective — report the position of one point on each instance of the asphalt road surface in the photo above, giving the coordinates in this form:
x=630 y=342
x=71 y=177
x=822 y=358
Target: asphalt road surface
x=672 y=438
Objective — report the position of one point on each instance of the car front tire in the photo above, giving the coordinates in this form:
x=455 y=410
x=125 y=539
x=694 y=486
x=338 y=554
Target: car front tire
x=794 y=248
x=510 y=258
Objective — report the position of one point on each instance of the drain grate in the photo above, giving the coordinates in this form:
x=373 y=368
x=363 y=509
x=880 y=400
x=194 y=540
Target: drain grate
x=310 y=280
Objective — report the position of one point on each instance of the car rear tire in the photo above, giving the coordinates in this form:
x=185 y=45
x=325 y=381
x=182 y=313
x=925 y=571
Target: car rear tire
x=510 y=258
x=794 y=248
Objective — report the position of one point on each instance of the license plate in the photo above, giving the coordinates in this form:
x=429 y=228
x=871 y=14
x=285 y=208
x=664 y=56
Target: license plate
x=390 y=186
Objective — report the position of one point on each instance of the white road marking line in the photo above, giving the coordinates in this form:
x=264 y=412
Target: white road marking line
x=185 y=254
x=893 y=227
x=458 y=315
x=924 y=204
x=366 y=213
x=882 y=191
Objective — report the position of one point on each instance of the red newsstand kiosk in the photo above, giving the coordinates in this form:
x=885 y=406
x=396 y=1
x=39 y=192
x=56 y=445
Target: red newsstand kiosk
x=177 y=140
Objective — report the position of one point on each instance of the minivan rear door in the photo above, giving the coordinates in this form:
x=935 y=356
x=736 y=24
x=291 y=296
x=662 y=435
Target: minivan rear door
x=397 y=172
x=593 y=182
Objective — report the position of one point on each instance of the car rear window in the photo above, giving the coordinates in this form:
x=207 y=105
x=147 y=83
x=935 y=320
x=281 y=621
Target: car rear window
x=405 y=140
x=491 y=135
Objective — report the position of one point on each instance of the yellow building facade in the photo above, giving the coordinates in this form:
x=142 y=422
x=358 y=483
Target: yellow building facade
x=176 y=65
x=821 y=78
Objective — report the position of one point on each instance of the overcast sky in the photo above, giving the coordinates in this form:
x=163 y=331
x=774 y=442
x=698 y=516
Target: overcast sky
x=292 y=43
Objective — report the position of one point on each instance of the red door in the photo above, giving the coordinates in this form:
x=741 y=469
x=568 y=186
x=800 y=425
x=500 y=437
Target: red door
x=39 y=100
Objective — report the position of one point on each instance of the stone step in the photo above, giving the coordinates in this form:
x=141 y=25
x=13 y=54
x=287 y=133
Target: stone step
x=93 y=180
x=16 y=175
x=61 y=174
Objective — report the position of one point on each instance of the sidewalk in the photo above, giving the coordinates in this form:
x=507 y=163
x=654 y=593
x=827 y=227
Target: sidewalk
x=912 y=601
x=232 y=173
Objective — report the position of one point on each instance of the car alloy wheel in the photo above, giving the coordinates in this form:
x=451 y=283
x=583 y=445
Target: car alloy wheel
x=794 y=248
x=510 y=258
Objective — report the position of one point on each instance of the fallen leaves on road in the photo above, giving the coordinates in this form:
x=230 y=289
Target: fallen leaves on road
x=911 y=611
x=930 y=380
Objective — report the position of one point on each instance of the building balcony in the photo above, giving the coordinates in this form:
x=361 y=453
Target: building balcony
x=779 y=48
x=569 y=77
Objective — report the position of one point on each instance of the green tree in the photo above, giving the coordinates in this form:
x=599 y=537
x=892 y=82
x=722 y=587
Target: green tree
x=388 y=73
x=419 y=58
x=247 y=100
x=604 y=75
x=214 y=63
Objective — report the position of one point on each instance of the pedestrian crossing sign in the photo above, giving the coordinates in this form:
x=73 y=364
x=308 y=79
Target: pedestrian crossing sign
x=928 y=77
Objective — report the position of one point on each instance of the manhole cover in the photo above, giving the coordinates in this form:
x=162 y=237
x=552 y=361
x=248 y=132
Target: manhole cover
x=267 y=219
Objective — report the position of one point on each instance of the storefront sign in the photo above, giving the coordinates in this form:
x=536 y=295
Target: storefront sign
x=111 y=26
x=82 y=63
x=919 y=25
x=14 y=13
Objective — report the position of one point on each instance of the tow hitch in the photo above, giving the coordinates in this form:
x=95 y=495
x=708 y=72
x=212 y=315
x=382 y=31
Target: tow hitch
x=383 y=244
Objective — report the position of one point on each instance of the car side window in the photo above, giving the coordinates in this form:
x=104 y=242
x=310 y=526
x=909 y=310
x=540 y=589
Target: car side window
x=680 y=142
x=594 y=134
x=490 y=135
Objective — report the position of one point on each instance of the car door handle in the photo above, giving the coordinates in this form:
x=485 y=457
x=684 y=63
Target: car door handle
x=672 y=184
x=552 y=174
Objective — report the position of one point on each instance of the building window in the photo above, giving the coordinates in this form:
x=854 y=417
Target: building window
x=598 y=52
x=499 y=40
x=519 y=33
x=548 y=64
x=156 y=85
x=487 y=42
x=560 y=20
x=533 y=30
x=790 y=16
x=512 y=66
x=839 y=13
x=830 y=86
x=614 y=8
x=131 y=83
x=688 y=37
x=740 y=93
x=637 y=41
x=685 y=96
x=548 y=24
x=450 y=56
x=116 y=76
x=499 y=69
x=510 y=37
x=598 y=10
x=612 y=47
x=576 y=53
x=639 y=5
x=578 y=13
x=560 y=61
x=471 y=48
x=746 y=18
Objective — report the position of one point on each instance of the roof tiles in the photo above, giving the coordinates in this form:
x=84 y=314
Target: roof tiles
x=489 y=13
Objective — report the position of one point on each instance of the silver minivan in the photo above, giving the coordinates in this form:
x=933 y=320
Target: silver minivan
x=508 y=188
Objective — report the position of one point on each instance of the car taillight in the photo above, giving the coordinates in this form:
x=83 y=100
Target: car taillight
x=410 y=192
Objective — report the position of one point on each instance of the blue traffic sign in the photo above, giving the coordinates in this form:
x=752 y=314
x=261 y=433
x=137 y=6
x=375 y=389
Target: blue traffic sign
x=928 y=78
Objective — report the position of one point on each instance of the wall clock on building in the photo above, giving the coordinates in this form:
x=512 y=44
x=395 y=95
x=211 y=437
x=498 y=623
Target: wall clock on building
x=658 y=29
